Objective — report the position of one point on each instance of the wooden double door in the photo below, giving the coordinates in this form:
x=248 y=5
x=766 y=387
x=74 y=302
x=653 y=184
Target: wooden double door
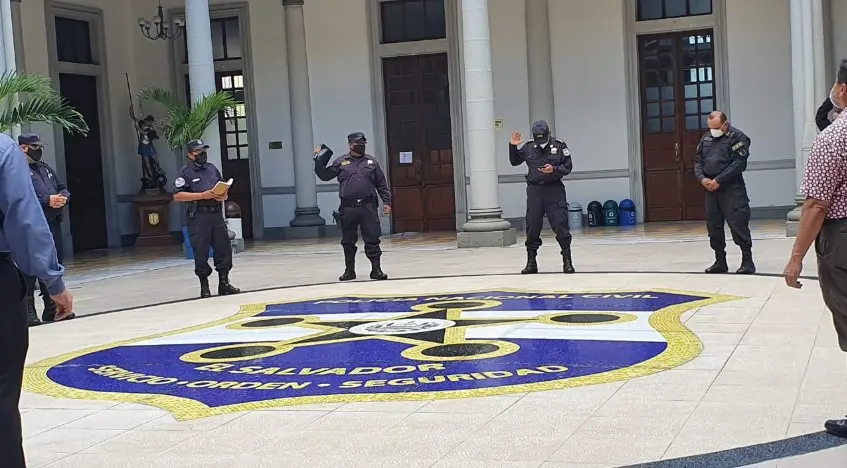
x=677 y=90
x=420 y=142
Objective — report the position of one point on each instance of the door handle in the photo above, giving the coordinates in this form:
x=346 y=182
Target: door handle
x=676 y=151
x=417 y=168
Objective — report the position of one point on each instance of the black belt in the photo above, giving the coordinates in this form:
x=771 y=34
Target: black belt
x=831 y=221
x=357 y=202
x=208 y=208
x=5 y=255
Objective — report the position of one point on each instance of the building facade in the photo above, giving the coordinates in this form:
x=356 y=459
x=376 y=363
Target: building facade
x=437 y=86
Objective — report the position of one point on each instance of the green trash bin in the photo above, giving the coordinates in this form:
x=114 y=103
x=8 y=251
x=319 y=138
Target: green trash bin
x=611 y=213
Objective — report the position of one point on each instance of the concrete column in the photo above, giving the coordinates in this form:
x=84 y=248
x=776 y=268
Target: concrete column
x=807 y=93
x=9 y=59
x=201 y=67
x=486 y=227
x=540 y=69
x=307 y=213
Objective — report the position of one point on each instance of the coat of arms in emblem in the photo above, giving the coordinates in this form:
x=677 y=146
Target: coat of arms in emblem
x=387 y=348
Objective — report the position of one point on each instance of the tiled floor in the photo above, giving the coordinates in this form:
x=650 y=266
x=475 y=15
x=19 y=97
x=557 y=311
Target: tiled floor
x=743 y=375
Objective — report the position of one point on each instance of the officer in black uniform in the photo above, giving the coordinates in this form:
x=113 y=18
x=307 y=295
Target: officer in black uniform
x=547 y=160
x=206 y=225
x=719 y=162
x=360 y=179
x=53 y=196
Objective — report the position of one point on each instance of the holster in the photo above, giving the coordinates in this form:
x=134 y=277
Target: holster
x=338 y=217
x=192 y=210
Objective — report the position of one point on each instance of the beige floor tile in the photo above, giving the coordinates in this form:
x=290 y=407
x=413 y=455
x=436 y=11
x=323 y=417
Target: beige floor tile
x=349 y=421
x=484 y=463
x=68 y=440
x=115 y=419
x=91 y=460
x=485 y=405
x=42 y=459
x=169 y=423
x=142 y=442
x=506 y=447
x=36 y=421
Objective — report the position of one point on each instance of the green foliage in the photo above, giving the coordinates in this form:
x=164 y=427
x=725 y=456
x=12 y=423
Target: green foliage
x=40 y=103
x=184 y=123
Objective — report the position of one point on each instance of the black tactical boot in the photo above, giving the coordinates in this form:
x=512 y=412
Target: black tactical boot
x=204 y=288
x=747 y=266
x=31 y=313
x=376 y=270
x=567 y=262
x=837 y=427
x=531 y=265
x=224 y=288
x=349 y=266
x=720 y=264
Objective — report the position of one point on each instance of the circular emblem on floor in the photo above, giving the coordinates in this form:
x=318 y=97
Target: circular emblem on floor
x=343 y=349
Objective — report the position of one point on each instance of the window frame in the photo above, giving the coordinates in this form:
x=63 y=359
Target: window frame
x=665 y=16
x=428 y=35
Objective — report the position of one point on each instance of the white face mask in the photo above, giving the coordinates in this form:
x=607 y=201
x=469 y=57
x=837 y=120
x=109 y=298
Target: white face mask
x=716 y=132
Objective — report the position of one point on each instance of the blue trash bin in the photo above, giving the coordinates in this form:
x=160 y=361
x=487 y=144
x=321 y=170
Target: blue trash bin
x=189 y=252
x=627 y=212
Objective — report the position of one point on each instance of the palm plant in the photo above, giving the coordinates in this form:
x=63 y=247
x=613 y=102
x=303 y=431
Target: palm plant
x=185 y=123
x=41 y=103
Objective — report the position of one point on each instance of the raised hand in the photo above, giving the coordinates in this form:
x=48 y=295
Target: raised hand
x=516 y=138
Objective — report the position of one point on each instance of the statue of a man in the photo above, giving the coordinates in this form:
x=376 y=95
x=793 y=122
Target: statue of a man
x=152 y=175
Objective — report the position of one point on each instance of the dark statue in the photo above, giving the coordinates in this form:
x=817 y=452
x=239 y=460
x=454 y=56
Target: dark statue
x=153 y=178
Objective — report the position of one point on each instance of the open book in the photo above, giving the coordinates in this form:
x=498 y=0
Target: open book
x=221 y=188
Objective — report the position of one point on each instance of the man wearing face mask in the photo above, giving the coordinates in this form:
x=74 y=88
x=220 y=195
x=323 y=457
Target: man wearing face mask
x=719 y=162
x=547 y=160
x=206 y=226
x=53 y=196
x=360 y=180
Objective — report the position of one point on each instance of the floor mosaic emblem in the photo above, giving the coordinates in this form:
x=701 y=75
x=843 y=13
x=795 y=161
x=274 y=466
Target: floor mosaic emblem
x=357 y=348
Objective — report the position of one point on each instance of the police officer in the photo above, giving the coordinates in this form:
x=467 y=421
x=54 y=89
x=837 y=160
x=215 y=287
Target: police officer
x=25 y=243
x=206 y=225
x=719 y=162
x=360 y=179
x=547 y=160
x=53 y=196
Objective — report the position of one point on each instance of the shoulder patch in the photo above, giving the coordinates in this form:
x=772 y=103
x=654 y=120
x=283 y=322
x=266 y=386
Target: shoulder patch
x=566 y=152
x=345 y=162
x=179 y=182
x=738 y=146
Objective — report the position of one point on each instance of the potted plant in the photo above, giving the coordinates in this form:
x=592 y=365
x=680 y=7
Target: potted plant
x=41 y=103
x=184 y=123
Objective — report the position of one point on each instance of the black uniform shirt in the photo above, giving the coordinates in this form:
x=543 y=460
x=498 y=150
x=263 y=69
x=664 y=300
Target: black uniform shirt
x=358 y=177
x=555 y=153
x=722 y=159
x=194 y=179
x=46 y=183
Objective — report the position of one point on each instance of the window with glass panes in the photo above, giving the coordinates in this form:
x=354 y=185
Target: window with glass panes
x=226 y=40
x=649 y=10
x=233 y=121
x=73 y=41
x=412 y=20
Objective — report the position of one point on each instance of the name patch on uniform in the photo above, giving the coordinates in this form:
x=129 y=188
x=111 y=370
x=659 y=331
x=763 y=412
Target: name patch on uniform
x=196 y=180
x=554 y=150
x=179 y=182
x=386 y=348
x=345 y=163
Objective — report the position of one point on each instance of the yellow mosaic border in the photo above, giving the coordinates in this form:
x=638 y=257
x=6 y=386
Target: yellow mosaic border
x=683 y=346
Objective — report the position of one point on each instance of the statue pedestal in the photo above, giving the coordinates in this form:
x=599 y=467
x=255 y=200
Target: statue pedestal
x=153 y=218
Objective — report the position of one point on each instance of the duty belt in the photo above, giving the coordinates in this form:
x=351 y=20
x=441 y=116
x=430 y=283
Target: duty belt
x=5 y=256
x=356 y=202
x=208 y=208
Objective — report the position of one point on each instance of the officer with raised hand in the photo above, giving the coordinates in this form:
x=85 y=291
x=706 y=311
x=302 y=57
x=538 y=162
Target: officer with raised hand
x=719 y=163
x=53 y=196
x=360 y=179
x=547 y=160
x=206 y=226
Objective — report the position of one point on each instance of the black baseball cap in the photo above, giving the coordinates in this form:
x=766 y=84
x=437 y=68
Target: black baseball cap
x=195 y=145
x=29 y=139
x=356 y=136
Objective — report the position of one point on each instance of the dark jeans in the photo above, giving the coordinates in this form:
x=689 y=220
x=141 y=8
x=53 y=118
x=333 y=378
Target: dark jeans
x=552 y=201
x=362 y=216
x=14 y=343
x=31 y=281
x=209 y=230
x=831 y=250
x=730 y=205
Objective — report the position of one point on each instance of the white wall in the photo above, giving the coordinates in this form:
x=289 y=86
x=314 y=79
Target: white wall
x=759 y=50
x=838 y=9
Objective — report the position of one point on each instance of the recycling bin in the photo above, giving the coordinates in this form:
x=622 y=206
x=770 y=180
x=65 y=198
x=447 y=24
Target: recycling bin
x=574 y=215
x=611 y=213
x=595 y=214
x=627 y=212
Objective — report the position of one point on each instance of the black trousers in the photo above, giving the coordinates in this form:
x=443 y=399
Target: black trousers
x=552 y=201
x=31 y=281
x=14 y=343
x=364 y=216
x=831 y=250
x=730 y=205
x=208 y=229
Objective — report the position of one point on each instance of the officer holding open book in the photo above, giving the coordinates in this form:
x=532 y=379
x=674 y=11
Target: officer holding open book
x=199 y=184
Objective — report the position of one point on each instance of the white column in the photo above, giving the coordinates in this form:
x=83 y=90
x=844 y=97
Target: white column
x=10 y=63
x=808 y=88
x=540 y=69
x=307 y=212
x=485 y=212
x=201 y=67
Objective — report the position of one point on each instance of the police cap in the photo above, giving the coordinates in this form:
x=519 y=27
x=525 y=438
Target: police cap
x=196 y=145
x=540 y=128
x=356 y=136
x=29 y=139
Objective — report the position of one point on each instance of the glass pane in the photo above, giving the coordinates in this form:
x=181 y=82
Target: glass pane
x=690 y=91
x=653 y=109
x=245 y=153
x=218 y=50
x=653 y=126
x=232 y=139
x=704 y=121
x=229 y=125
x=668 y=108
x=652 y=94
x=692 y=122
x=667 y=125
x=73 y=41
x=707 y=105
x=240 y=110
x=675 y=8
x=392 y=21
x=699 y=7
x=226 y=82
x=667 y=92
x=233 y=38
x=238 y=81
x=242 y=124
x=414 y=20
x=691 y=108
x=436 y=23
x=649 y=9
x=232 y=153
